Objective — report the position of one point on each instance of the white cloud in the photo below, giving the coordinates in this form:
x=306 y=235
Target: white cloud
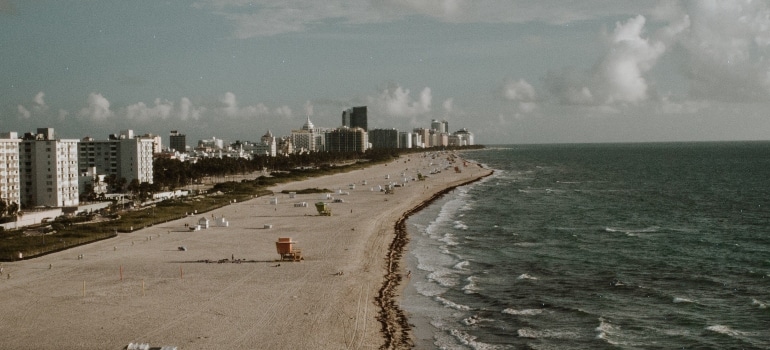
x=141 y=112
x=396 y=101
x=621 y=72
x=229 y=107
x=308 y=108
x=24 y=112
x=518 y=90
x=98 y=108
x=283 y=112
x=40 y=106
x=63 y=114
x=37 y=107
x=230 y=104
x=727 y=49
x=448 y=105
x=187 y=111
x=619 y=76
x=522 y=93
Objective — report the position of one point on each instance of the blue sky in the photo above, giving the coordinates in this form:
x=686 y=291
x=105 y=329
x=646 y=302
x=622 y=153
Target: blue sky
x=509 y=71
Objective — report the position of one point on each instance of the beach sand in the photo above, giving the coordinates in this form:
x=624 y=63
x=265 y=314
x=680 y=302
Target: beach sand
x=139 y=287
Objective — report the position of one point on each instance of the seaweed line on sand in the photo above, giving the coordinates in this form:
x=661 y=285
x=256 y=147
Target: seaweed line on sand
x=395 y=326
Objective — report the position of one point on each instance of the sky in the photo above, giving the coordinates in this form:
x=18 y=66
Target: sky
x=510 y=71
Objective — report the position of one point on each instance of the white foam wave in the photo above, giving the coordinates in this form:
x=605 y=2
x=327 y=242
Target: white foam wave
x=525 y=312
x=471 y=287
x=469 y=340
x=759 y=304
x=451 y=304
x=461 y=265
x=460 y=225
x=678 y=300
x=632 y=232
x=528 y=333
x=476 y=319
x=725 y=330
x=449 y=239
x=443 y=278
x=525 y=276
x=604 y=329
x=429 y=289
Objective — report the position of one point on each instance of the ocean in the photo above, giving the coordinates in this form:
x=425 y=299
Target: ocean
x=597 y=246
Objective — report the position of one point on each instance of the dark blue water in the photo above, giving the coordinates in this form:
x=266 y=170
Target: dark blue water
x=609 y=246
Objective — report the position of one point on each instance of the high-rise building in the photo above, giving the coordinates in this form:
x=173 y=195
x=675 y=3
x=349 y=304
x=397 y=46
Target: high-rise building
x=49 y=170
x=10 y=178
x=346 y=140
x=157 y=142
x=306 y=139
x=355 y=118
x=440 y=126
x=423 y=138
x=383 y=138
x=464 y=137
x=405 y=139
x=123 y=157
x=177 y=142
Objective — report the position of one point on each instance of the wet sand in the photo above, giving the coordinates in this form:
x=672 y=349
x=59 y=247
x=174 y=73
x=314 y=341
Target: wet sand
x=139 y=287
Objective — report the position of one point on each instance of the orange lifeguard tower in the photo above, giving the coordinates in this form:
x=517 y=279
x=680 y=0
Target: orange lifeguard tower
x=285 y=248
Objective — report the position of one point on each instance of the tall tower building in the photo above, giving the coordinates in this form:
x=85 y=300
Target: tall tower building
x=355 y=118
x=49 y=170
x=177 y=141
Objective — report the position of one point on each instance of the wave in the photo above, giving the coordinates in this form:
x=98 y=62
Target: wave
x=469 y=340
x=443 y=278
x=461 y=265
x=451 y=304
x=632 y=232
x=471 y=287
x=538 y=334
x=449 y=239
x=525 y=276
x=525 y=312
x=678 y=300
x=759 y=304
x=604 y=330
x=460 y=225
x=725 y=330
x=476 y=319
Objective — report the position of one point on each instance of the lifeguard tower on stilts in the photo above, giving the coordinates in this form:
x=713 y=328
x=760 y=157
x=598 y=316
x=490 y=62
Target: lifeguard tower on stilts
x=285 y=248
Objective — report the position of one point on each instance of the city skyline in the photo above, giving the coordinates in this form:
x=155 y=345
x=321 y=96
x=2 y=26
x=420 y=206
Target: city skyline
x=509 y=71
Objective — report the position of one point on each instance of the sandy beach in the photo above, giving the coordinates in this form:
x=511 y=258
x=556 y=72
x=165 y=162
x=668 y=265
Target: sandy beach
x=139 y=287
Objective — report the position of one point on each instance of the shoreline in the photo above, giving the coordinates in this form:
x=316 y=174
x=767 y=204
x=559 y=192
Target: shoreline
x=138 y=287
x=395 y=325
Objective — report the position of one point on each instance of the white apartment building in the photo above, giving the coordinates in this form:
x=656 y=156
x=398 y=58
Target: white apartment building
x=305 y=140
x=123 y=156
x=10 y=179
x=463 y=137
x=48 y=170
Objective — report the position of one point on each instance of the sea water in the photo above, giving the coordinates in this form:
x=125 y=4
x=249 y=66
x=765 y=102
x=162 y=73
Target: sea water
x=597 y=246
